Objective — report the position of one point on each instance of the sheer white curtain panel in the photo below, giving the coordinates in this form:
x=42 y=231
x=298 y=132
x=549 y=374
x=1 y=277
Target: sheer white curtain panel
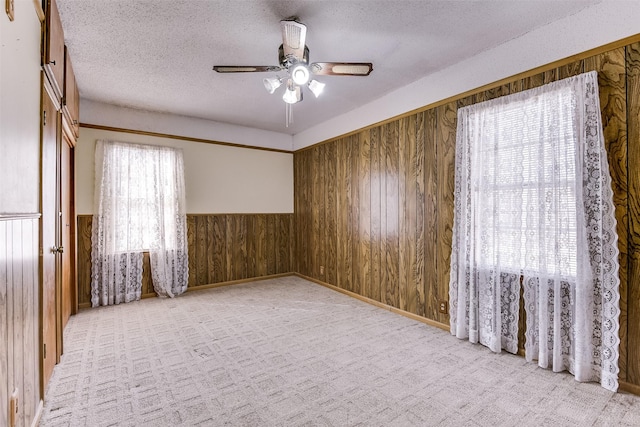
x=534 y=208
x=139 y=206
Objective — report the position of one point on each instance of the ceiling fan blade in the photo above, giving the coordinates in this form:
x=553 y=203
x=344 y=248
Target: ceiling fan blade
x=294 y=35
x=246 y=68
x=341 y=68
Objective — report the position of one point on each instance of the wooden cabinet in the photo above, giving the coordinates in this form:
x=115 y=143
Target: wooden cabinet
x=60 y=126
x=57 y=232
x=53 y=48
x=59 y=132
x=71 y=99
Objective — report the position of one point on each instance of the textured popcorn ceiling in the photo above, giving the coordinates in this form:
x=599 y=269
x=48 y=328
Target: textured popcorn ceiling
x=158 y=55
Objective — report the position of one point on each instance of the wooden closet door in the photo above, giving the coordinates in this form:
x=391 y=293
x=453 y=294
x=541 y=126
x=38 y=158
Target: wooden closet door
x=49 y=235
x=67 y=229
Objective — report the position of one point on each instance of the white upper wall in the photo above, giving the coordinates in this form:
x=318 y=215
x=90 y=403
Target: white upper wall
x=603 y=23
x=20 y=110
x=97 y=113
x=218 y=178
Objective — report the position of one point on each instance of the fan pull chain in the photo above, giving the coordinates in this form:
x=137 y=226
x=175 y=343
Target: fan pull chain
x=288 y=112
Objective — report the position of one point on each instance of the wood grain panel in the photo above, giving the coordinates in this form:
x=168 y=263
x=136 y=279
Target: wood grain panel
x=200 y=248
x=550 y=75
x=307 y=236
x=320 y=210
x=317 y=200
x=420 y=213
x=238 y=245
x=404 y=159
x=84 y=258
x=445 y=140
x=341 y=213
x=407 y=205
x=302 y=220
x=260 y=243
x=209 y=258
x=392 y=214
x=298 y=207
x=535 y=81
x=571 y=69
x=147 y=282
x=345 y=251
x=191 y=242
x=382 y=241
x=411 y=177
x=376 y=218
x=232 y=247
x=363 y=263
x=219 y=256
x=251 y=246
x=431 y=215
x=354 y=214
x=330 y=214
x=282 y=245
x=633 y=160
x=271 y=244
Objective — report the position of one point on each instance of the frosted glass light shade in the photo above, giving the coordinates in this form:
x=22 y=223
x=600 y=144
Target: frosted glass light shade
x=300 y=74
x=272 y=83
x=316 y=87
x=292 y=95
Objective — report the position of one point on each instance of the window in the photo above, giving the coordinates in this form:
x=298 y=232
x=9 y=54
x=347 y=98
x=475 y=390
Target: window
x=140 y=206
x=525 y=186
x=533 y=201
x=144 y=178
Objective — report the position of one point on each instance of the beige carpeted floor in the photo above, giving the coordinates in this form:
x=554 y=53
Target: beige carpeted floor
x=287 y=352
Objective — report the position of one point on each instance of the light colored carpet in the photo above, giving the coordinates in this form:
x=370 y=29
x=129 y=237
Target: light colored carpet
x=287 y=352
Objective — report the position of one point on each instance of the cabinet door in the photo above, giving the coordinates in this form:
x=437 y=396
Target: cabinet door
x=53 y=61
x=71 y=96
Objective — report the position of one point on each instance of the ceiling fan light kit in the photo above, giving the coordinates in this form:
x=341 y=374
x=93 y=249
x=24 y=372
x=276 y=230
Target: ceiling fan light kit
x=316 y=87
x=300 y=74
x=272 y=83
x=292 y=95
x=294 y=60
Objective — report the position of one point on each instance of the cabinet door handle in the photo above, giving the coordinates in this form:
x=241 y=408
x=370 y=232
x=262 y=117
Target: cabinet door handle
x=52 y=62
x=57 y=249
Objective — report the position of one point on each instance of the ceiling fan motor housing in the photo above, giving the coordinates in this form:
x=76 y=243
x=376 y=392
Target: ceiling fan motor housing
x=289 y=60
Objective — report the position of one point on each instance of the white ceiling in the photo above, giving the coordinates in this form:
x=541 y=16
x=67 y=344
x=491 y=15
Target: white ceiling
x=157 y=55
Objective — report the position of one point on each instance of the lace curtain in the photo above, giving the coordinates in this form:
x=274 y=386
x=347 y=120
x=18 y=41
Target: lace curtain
x=139 y=206
x=534 y=208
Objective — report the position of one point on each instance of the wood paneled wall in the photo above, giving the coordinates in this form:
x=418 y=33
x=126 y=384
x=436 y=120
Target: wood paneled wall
x=19 y=321
x=374 y=209
x=222 y=248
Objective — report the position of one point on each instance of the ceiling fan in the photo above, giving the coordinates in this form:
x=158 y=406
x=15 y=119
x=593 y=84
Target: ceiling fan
x=294 y=60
